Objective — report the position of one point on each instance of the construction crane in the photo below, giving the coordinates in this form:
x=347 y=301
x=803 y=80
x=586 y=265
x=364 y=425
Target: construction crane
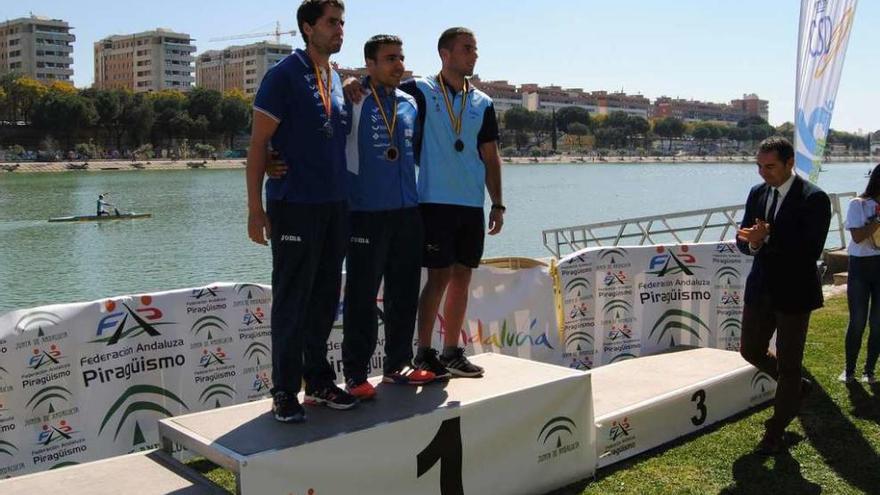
x=277 y=34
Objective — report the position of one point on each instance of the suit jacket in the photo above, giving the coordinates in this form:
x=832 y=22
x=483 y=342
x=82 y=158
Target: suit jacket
x=785 y=267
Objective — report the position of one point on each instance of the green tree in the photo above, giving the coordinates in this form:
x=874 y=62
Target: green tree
x=63 y=114
x=201 y=102
x=669 y=128
x=541 y=126
x=170 y=117
x=25 y=93
x=519 y=120
x=235 y=114
x=579 y=130
x=570 y=115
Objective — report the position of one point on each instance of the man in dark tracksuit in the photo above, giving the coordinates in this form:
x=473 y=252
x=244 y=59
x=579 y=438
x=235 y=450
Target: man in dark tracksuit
x=385 y=223
x=300 y=109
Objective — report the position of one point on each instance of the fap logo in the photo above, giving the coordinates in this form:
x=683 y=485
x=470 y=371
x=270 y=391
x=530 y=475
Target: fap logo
x=127 y=323
x=668 y=262
x=216 y=357
x=730 y=298
x=620 y=331
x=556 y=438
x=205 y=293
x=55 y=432
x=253 y=317
x=725 y=248
x=620 y=428
x=621 y=437
x=261 y=383
x=45 y=357
x=614 y=278
x=578 y=310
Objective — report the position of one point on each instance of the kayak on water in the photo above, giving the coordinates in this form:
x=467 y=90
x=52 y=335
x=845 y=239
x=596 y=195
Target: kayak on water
x=101 y=218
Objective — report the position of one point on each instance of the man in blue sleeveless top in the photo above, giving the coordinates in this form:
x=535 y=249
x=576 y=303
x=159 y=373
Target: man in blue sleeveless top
x=386 y=226
x=299 y=110
x=458 y=162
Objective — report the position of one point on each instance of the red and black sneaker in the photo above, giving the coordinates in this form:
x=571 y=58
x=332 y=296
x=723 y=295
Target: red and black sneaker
x=330 y=396
x=408 y=376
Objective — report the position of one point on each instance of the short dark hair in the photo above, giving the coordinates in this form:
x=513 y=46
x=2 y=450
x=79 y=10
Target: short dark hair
x=872 y=190
x=371 y=47
x=311 y=10
x=447 y=39
x=783 y=148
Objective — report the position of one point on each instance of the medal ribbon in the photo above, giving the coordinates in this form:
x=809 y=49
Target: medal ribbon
x=325 y=90
x=456 y=123
x=393 y=124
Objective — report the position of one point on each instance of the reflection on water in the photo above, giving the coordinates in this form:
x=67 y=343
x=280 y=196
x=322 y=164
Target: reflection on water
x=198 y=231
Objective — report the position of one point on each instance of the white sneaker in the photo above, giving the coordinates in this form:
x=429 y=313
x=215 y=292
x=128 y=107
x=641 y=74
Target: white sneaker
x=869 y=379
x=846 y=378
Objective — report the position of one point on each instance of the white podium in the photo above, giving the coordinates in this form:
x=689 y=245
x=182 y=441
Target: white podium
x=643 y=403
x=145 y=473
x=525 y=427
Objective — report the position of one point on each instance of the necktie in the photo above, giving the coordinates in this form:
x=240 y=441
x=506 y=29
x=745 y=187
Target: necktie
x=771 y=215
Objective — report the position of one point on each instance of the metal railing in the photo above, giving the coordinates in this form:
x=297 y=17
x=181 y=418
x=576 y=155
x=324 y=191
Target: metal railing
x=707 y=225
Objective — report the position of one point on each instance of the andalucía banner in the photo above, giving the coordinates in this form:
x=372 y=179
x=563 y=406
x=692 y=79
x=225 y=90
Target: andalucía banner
x=822 y=40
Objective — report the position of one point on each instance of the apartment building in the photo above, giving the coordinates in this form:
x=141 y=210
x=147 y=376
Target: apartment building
x=144 y=62
x=238 y=67
x=37 y=47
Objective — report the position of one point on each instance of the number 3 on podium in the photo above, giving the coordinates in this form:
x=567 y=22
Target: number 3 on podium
x=446 y=448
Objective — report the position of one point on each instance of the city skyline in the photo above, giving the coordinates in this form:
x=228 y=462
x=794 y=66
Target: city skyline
x=702 y=50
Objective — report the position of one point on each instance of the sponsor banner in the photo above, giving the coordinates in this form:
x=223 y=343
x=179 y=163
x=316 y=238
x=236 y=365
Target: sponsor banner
x=531 y=440
x=82 y=382
x=624 y=302
x=825 y=27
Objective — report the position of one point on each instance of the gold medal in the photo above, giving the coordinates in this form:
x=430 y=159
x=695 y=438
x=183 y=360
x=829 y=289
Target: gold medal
x=326 y=91
x=391 y=153
x=456 y=122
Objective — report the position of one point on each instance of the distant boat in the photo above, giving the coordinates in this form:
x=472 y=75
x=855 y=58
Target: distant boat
x=101 y=218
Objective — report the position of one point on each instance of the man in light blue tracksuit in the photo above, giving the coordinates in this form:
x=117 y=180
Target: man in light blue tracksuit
x=385 y=224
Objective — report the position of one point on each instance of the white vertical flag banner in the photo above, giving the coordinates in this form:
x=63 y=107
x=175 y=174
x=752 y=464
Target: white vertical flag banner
x=822 y=40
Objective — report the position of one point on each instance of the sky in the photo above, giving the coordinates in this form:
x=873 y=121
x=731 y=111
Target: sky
x=710 y=50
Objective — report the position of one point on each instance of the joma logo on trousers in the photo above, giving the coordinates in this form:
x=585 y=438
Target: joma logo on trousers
x=291 y=238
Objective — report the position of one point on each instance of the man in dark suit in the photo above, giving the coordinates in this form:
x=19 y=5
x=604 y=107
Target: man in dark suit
x=784 y=228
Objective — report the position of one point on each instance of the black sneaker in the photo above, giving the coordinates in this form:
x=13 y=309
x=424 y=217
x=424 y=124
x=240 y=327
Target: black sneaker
x=330 y=396
x=286 y=408
x=458 y=365
x=426 y=360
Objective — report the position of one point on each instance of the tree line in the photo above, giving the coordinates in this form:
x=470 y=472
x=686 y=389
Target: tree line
x=580 y=131
x=119 y=118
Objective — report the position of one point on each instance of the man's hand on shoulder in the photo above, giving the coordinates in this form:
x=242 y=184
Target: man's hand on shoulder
x=353 y=90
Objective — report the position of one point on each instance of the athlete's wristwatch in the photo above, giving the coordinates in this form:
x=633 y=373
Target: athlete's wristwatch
x=499 y=207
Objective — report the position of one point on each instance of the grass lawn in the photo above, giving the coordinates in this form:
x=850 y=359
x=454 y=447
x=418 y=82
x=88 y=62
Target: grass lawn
x=836 y=451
